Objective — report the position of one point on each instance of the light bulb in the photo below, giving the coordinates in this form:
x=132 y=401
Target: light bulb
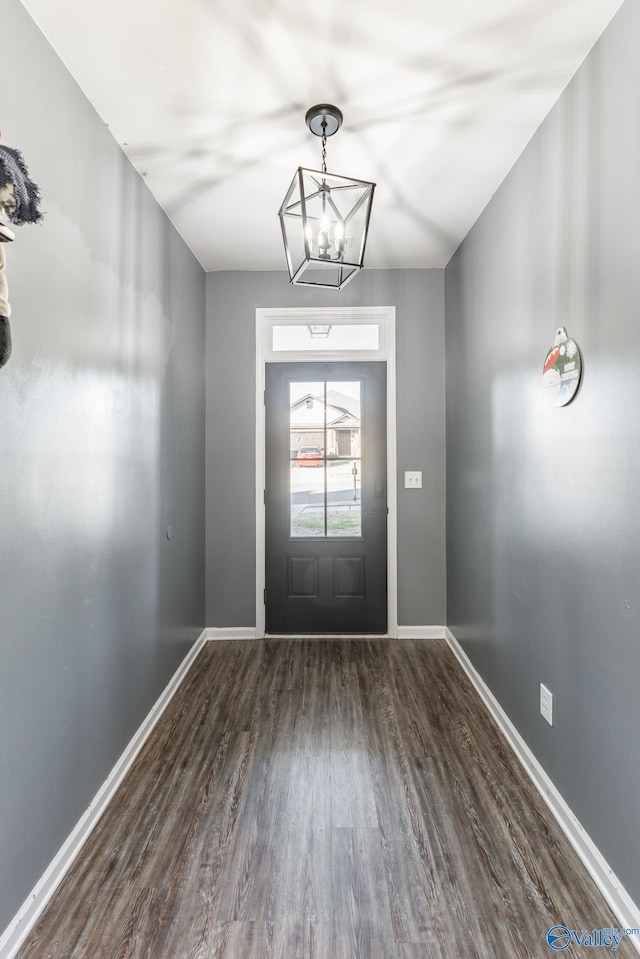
x=323 y=238
x=308 y=232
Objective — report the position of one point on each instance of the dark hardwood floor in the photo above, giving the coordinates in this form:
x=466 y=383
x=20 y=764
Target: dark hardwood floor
x=323 y=799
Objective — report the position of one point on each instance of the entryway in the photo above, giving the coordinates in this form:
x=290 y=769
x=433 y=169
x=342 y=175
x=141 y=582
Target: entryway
x=326 y=510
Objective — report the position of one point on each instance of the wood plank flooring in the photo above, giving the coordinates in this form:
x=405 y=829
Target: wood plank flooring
x=322 y=799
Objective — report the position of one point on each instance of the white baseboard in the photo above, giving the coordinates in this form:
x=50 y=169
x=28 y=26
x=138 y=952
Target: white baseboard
x=625 y=909
x=17 y=931
x=403 y=632
x=249 y=632
x=229 y=632
x=422 y=632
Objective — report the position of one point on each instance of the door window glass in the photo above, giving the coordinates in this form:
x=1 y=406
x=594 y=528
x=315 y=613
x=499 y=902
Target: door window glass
x=325 y=465
x=325 y=337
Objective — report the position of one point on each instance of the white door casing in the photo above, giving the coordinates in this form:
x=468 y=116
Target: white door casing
x=384 y=318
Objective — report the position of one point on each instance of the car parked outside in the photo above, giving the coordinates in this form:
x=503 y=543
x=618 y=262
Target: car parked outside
x=309 y=456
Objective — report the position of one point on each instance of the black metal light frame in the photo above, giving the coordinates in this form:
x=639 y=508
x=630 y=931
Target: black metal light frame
x=325 y=217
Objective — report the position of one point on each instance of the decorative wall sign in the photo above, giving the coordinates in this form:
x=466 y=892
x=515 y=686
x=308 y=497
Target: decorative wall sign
x=562 y=370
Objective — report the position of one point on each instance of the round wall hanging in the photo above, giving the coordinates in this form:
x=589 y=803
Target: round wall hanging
x=562 y=370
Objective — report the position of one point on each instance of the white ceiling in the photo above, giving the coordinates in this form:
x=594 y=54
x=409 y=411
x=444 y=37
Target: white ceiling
x=208 y=98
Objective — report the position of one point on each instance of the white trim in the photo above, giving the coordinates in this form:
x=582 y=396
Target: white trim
x=385 y=316
x=626 y=911
x=23 y=922
x=389 y=343
x=217 y=633
x=296 y=316
x=261 y=350
x=422 y=632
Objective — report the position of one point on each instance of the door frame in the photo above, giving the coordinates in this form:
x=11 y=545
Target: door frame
x=385 y=318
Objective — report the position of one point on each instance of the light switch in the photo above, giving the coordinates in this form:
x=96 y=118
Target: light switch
x=413 y=479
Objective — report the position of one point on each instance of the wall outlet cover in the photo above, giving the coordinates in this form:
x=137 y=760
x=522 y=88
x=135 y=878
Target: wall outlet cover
x=546 y=704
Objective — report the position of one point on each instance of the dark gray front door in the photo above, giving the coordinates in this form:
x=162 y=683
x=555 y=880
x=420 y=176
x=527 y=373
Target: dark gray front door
x=326 y=498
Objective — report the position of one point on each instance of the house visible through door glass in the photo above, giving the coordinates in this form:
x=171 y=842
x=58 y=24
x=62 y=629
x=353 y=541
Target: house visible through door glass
x=325 y=459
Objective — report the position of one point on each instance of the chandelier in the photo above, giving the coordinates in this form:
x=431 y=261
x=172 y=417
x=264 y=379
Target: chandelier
x=325 y=217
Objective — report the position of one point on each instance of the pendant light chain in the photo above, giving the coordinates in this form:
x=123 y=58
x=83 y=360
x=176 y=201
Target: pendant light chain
x=324 y=146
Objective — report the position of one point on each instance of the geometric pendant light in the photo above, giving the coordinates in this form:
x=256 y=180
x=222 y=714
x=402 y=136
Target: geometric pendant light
x=325 y=217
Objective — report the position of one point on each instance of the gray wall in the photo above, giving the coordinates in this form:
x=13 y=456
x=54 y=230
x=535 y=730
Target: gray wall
x=543 y=504
x=232 y=299
x=101 y=439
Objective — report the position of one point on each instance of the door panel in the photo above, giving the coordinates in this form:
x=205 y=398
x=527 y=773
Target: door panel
x=326 y=506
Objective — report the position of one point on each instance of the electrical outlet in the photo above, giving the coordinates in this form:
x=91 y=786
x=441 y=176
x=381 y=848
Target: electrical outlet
x=413 y=479
x=546 y=704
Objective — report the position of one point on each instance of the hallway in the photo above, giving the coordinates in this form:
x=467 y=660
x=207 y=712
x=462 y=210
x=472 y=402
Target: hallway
x=322 y=799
